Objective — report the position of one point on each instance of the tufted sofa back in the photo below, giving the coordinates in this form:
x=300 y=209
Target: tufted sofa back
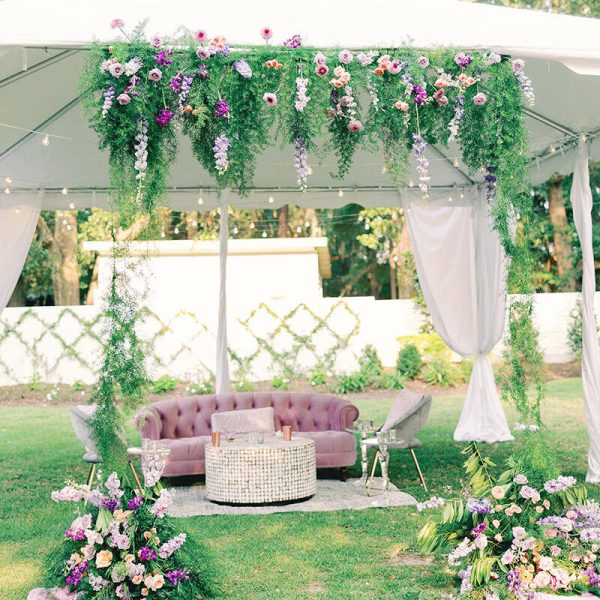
x=191 y=416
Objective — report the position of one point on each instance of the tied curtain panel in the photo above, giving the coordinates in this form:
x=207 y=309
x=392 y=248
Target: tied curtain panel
x=462 y=272
x=222 y=380
x=581 y=199
x=18 y=220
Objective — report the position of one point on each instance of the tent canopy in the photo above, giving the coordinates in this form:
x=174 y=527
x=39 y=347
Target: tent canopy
x=46 y=146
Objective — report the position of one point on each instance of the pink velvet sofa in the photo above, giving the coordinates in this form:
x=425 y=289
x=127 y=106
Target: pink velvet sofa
x=184 y=424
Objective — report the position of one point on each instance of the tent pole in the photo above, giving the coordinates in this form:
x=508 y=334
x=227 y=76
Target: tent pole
x=222 y=375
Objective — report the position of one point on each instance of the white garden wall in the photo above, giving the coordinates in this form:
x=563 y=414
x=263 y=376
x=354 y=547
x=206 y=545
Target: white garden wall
x=62 y=344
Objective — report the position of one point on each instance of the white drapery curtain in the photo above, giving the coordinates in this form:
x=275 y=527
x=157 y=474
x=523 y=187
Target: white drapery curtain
x=222 y=375
x=581 y=199
x=18 y=219
x=462 y=271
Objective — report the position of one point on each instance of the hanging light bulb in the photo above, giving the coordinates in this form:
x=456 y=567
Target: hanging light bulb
x=46 y=140
x=298 y=229
x=450 y=198
x=307 y=224
x=17 y=210
x=309 y=171
x=200 y=201
x=72 y=205
x=340 y=193
x=583 y=137
x=456 y=163
x=252 y=225
x=64 y=191
x=7 y=190
x=271 y=200
x=383 y=170
x=8 y=180
x=264 y=234
x=235 y=231
x=176 y=231
x=162 y=234
x=411 y=183
x=552 y=150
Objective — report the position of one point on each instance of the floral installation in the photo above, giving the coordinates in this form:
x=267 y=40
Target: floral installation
x=507 y=537
x=122 y=545
x=234 y=103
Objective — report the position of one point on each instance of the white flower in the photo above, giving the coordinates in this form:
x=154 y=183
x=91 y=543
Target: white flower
x=518 y=533
x=508 y=557
x=481 y=541
x=97 y=582
x=542 y=579
x=546 y=563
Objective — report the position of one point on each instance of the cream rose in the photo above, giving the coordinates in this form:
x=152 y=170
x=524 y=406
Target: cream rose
x=104 y=558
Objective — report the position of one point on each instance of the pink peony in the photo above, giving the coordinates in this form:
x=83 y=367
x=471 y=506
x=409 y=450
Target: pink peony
x=355 y=125
x=116 y=69
x=117 y=24
x=266 y=33
x=345 y=57
x=200 y=36
x=270 y=98
x=423 y=61
x=321 y=70
x=155 y=75
x=156 y=42
x=394 y=67
x=123 y=99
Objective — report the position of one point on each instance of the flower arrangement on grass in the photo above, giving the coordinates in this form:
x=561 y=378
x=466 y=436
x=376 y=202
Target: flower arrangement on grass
x=509 y=538
x=122 y=545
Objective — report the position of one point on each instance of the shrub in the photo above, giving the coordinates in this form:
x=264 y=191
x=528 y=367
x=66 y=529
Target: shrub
x=166 y=383
x=318 y=376
x=409 y=361
x=463 y=371
x=79 y=386
x=353 y=382
x=369 y=362
x=201 y=387
x=440 y=372
x=430 y=345
x=280 y=383
x=390 y=381
x=243 y=385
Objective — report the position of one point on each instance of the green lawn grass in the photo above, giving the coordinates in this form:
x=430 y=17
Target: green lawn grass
x=341 y=555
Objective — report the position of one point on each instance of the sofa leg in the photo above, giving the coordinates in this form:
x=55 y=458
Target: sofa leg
x=344 y=473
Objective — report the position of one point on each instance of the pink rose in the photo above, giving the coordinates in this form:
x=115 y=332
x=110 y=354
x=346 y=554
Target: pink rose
x=400 y=105
x=320 y=58
x=554 y=550
x=200 y=36
x=364 y=59
x=270 y=98
x=394 y=67
x=345 y=57
x=480 y=99
x=123 y=99
x=384 y=60
x=355 y=125
x=155 y=75
x=518 y=65
x=156 y=42
x=442 y=100
x=116 y=69
x=423 y=62
x=203 y=53
x=498 y=492
x=321 y=70
x=338 y=71
x=117 y=24
x=266 y=33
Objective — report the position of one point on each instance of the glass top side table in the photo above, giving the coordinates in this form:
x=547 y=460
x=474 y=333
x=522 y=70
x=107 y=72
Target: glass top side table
x=364 y=428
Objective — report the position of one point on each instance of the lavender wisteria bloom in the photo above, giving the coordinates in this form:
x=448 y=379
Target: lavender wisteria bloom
x=481 y=507
x=459 y=111
x=176 y=576
x=524 y=81
x=109 y=98
x=141 y=149
x=490 y=184
x=220 y=149
x=222 y=109
x=301 y=98
x=243 y=68
x=419 y=147
x=154 y=461
x=164 y=116
x=301 y=163
x=169 y=548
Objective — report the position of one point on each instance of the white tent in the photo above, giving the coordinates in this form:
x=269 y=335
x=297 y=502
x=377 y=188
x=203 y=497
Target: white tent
x=48 y=152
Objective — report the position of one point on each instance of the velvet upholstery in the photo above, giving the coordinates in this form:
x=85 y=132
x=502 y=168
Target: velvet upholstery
x=184 y=424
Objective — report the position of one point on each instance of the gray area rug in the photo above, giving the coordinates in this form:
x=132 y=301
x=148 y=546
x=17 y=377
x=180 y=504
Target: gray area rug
x=191 y=501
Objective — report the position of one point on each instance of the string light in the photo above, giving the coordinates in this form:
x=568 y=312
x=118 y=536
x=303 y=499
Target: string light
x=309 y=171
x=340 y=193
x=264 y=234
x=7 y=190
x=8 y=180
x=72 y=206
x=271 y=199
x=456 y=163
x=163 y=234
x=64 y=191
x=46 y=140
x=252 y=225
x=200 y=201
x=235 y=231
x=298 y=229
x=176 y=231
x=307 y=224
x=411 y=183
x=583 y=137
x=552 y=150
x=17 y=210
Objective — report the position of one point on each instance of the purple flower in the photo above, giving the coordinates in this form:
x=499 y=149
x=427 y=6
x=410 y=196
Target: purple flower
x=135 y=503
x=419 y=94
x=147 y=553
x=481 y=507
x=164 y=116
x=462 y=60
x=480 y=99
x=222 y=109
x=294 y=42
x=514 y=581
x=177 y=576
x=155 y=75
x=560 y=484
x=76 y=575
x=123 y=99
x=116 y=69
x=77 y=535
x=163 y=57
x=111 y=504
x=175 y=83
x=220 y=149
x=345 y=57
x=156 y=42
x=203 y=72
x=204 y=52
x=109 y=96
x=478 y=529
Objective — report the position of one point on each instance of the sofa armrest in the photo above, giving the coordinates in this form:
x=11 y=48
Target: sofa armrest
x=150 y=423
x=342 y=414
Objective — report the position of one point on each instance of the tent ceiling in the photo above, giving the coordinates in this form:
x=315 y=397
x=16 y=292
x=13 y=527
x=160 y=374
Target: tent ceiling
x=40 y=68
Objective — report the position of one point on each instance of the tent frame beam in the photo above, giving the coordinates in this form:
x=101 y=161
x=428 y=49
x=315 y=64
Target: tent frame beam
x=39 y=66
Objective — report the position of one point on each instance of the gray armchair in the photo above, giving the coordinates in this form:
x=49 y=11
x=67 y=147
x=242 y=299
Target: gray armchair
x=408 y=415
